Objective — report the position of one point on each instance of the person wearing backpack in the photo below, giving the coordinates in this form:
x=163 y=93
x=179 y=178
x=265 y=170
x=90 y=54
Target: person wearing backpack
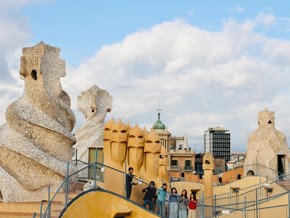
x=192 y=206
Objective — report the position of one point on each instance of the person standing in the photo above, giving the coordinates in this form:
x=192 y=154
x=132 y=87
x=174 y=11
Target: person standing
x=182 y=205
x=167 y=204
x=173 y=212
x=129 y=182
x=161 y=195
x=192 y=206
x=150 y=195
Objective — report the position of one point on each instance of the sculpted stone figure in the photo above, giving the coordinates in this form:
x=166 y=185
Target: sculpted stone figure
x=152 y=149
x=267 y=151
x=135 y=148
x=119 y=142
x=108 y=138
x=163 y=162
x=115 y=151
x=36 y=142
x=135 y=157
x=126 y=147
x=94 y=103
x=162 y=176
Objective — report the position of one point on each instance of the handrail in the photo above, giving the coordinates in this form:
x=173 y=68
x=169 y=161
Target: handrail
x=96 y=165
x=260 y=186
x=60 y=187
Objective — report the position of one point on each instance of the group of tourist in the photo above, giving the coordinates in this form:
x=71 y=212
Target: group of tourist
x=172 y=204
x=169 y=204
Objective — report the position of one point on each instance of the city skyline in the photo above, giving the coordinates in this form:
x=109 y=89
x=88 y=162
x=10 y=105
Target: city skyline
x=205 y=64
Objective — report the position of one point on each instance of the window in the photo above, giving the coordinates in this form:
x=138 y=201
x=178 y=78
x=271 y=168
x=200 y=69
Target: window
x=217 y=169
x=174 y=162
x=187 y=163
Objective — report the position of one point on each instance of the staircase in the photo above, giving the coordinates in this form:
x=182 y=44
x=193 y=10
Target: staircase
x=285 y=184
x=27 y=209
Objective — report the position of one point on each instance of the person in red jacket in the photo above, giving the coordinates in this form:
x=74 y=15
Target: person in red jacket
x=192 y=206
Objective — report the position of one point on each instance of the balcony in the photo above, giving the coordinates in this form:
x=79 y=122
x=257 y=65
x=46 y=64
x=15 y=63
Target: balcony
x=177 y=151
x=188 y=168
x=174 y=167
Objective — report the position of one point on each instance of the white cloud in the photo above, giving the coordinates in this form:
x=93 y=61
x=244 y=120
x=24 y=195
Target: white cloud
x=200 y=78
x=14 y=33
x=14 y=5
x=265 y=19
x=237 y=9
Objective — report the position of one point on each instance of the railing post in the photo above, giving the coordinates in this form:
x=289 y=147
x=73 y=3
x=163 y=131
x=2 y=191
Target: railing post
x=257 y=212
x=245 y=207
x=214 y=210
x=267 y=182
x=95 y=177
x=231 y=206
x=202 y=206
x=237 y=201
x=124 y=180
x=40 y=212
x=49 y=203
x=76 y=163
x=66 y=188
x=288 y=204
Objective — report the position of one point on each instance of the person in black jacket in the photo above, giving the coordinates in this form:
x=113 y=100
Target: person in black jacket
x=150 y=195
x=129 y=182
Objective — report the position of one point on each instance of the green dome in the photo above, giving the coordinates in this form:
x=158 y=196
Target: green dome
x=158 y=124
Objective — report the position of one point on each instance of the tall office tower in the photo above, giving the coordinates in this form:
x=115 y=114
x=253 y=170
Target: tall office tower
x=217 y=141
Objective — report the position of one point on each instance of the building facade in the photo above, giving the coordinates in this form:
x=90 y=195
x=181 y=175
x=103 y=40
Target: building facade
x=219 y=164
x=180 y=156
x=217 y=141
x=163 y=133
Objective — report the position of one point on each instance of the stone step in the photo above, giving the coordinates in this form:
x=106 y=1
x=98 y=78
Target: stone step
x=23 y=206
x=23 y=215
x=285 y=184
x=17 y=215
x=27 y=209
x=60 y=197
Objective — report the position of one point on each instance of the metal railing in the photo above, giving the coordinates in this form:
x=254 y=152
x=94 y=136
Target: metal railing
x=231 y=201
x=244 y=204
x=49 y=207
x=188 y=168
x=250 y=201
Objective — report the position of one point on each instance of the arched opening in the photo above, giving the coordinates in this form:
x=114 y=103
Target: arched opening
x=250 y=173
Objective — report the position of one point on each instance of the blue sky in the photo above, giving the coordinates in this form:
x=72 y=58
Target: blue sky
x=205 y=63
x=89 y=25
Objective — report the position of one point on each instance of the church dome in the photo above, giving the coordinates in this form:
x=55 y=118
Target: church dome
x=158 y=124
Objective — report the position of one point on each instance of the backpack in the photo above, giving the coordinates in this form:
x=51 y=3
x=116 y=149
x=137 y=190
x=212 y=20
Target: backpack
x=192 y=204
